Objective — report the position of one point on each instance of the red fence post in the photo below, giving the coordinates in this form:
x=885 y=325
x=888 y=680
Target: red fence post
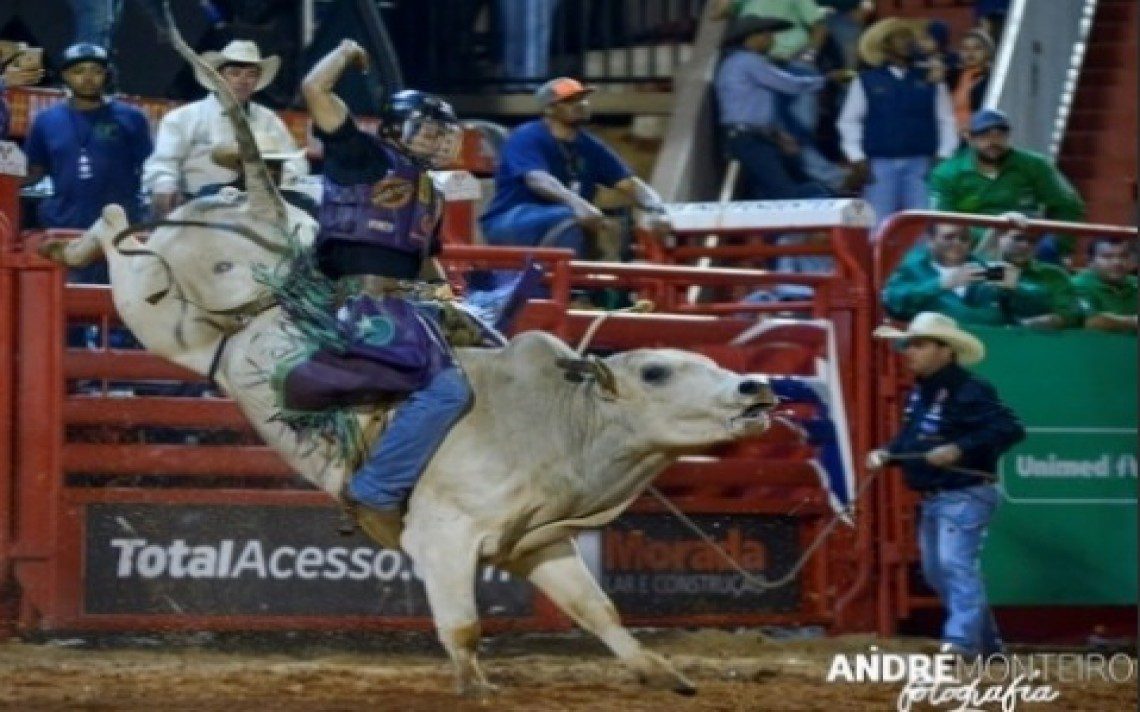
x=9 y=229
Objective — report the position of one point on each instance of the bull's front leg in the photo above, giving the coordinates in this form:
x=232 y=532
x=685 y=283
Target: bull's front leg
x=447 y=560
x=559 y=572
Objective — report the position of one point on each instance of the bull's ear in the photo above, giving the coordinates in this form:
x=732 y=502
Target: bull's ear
x=575 y=369
x=578 y=370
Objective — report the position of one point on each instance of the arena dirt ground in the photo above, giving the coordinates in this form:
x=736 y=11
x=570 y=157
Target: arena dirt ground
x=740 y=670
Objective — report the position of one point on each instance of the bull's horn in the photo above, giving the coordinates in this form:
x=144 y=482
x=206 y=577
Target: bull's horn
x=579 y=369
x=604 y=376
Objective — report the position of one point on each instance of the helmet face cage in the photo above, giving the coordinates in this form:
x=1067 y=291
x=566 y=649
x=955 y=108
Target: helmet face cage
x=424 y=126
x=432 y=140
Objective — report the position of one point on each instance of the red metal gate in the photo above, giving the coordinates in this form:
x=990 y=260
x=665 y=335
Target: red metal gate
x=77 y=452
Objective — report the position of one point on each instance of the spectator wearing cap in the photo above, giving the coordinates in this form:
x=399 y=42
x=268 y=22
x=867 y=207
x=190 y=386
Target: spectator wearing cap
x=748 y=86
x=20 y=66
x=895 y=122
x=968 y=85
x=181 y=165
x=992 y=178
x=91 y=146
x=1106 y=291
x=548 y=174
x=954 y=430
x=946 y=277
x=795 y=48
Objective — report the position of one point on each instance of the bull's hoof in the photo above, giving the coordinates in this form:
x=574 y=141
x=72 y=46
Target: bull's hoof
x=655 y=672
x=53 y=249
x=477 y=689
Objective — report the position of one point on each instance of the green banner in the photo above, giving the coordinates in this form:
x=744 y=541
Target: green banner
x=1066 y=532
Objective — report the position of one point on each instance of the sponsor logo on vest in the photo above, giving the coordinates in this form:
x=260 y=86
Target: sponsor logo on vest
x=392 y=193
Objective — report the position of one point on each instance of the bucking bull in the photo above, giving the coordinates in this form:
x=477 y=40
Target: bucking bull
x=552 y=444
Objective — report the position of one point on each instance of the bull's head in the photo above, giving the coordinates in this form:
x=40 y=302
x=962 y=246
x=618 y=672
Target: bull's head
x=679 y=399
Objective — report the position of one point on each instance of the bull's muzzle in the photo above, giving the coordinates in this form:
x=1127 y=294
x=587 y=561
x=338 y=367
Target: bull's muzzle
x=762 y=399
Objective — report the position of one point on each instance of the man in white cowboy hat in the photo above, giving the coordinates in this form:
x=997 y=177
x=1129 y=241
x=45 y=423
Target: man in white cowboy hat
x=954 y=430
x=181 y=165
x=895 y=122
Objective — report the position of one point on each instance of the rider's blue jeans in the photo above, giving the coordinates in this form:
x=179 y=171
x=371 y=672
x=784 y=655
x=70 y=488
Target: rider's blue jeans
x=951 y=532
x=404 y=450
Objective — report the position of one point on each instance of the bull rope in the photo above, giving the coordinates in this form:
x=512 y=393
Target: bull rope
x=752 y=581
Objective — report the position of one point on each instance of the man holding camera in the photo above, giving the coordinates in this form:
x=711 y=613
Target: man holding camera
x=946 y=277
x=1051 y=300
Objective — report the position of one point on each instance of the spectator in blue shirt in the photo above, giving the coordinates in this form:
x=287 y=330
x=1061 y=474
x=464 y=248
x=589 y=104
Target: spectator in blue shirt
x=748 y=85
x=549 y=172
x=91 y=146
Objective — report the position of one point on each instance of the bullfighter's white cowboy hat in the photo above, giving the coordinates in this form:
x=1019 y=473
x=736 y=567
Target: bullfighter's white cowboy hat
x=932 y=325
x=241 y=52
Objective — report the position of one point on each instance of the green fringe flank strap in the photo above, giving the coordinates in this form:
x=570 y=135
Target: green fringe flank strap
x=310 y=299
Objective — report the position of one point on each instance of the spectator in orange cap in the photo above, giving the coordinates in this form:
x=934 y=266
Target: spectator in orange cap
x=549 y=173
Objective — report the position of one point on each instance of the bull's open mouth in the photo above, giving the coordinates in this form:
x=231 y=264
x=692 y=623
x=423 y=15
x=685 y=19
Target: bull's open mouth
x=755 y=411
x=754 y=416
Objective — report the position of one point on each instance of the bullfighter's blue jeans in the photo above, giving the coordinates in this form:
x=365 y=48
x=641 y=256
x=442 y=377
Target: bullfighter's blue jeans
x=404 y=450
x=951 y=531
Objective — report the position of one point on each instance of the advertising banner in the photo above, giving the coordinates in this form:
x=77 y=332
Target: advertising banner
x=651 y=564
x=1066 y=531
x=256 y=560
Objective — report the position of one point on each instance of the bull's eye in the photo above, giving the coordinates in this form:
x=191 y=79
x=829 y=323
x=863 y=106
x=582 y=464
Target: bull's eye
x=655 y=374
x=223 y=267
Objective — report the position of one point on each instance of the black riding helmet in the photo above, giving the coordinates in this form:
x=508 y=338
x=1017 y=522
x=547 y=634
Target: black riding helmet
x=406 y=112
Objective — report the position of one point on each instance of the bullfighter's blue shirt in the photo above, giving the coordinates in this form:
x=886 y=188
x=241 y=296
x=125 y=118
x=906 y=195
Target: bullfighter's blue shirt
x=580 y=165
x=116 y=140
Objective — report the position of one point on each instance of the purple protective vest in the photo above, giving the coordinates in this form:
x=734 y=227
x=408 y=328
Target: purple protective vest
x=398 y=212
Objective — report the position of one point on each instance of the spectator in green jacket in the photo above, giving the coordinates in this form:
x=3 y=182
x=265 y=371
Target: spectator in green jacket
x=1051 y=301
x=1106 y=291
x=992 y=178
x=946 y=277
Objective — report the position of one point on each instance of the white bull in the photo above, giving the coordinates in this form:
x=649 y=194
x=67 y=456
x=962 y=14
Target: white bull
x=553 y=444
x=547 y=449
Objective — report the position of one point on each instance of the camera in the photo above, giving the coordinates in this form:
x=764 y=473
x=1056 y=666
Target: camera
x=994 y=273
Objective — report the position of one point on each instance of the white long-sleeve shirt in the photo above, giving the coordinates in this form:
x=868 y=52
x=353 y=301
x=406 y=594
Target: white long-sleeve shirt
x=854 y=113
x=181 y=160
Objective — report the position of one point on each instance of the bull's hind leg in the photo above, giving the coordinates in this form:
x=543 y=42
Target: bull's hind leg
x=447 y=563
x=559 y=572
x=87 y=248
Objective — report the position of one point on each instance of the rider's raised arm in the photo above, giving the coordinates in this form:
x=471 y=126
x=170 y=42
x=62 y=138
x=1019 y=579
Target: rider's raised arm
x=327 y=109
